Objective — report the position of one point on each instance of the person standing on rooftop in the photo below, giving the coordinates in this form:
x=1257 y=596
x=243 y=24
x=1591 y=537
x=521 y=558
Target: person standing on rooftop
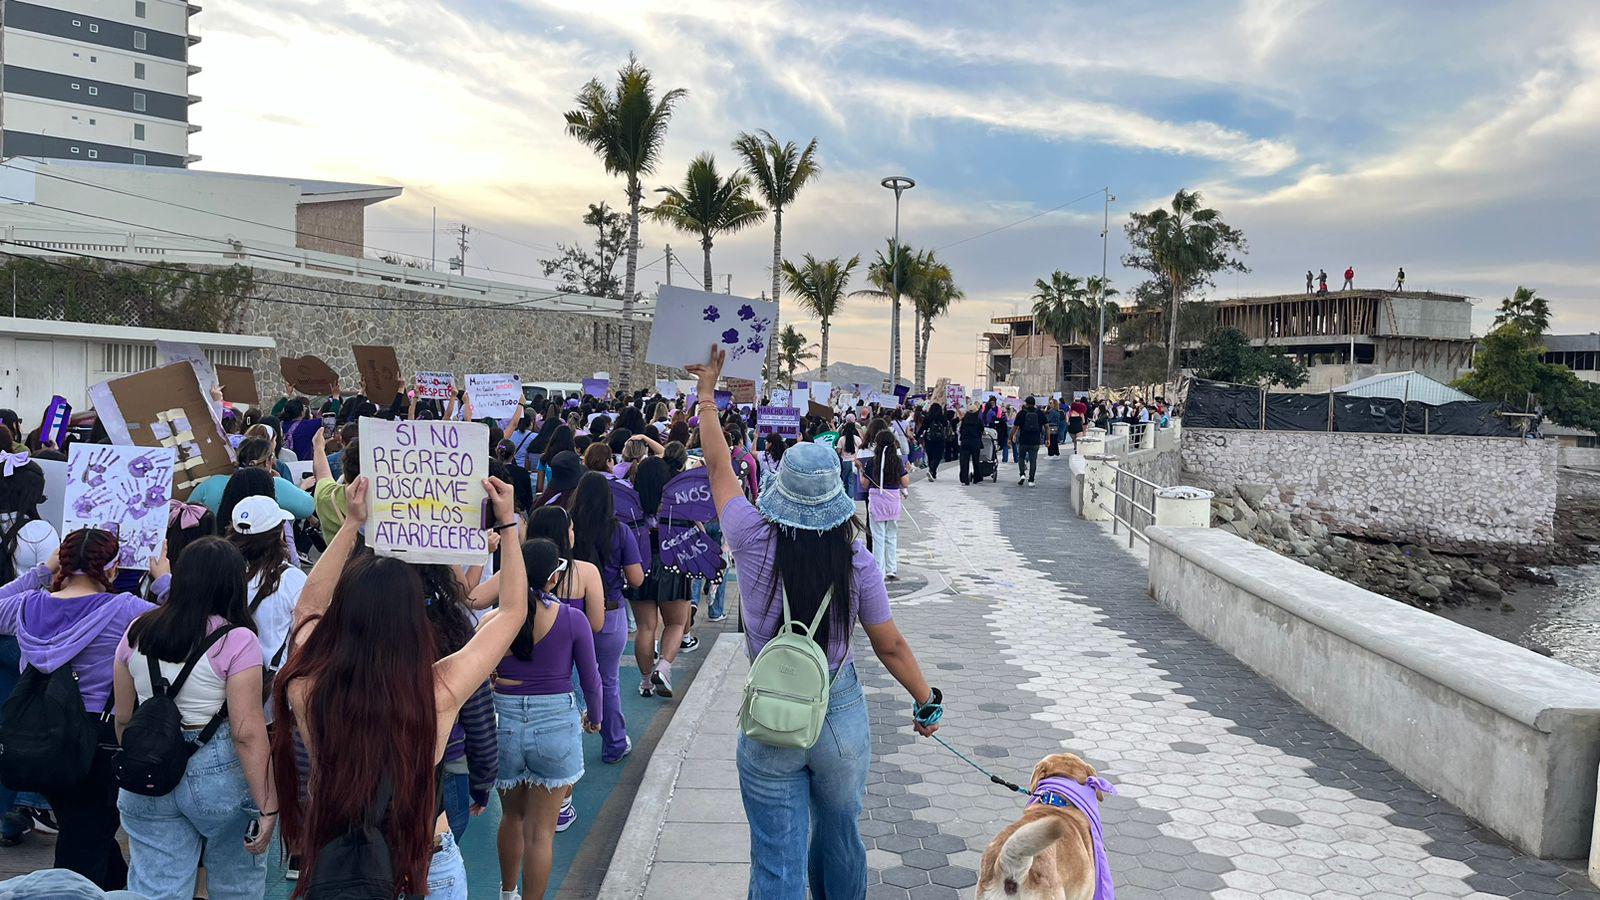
x=1349 y=278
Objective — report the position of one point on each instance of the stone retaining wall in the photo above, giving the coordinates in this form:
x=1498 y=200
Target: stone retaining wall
x=1493 y=496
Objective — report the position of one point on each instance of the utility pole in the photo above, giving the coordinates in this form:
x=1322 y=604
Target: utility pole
x=669 y=265
x=458 y=263
x=433 y=247
x=730 y=284
x=1100 y=301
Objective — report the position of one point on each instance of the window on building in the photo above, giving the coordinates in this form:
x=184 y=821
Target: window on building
x=138 y=9
x=94 y=91
x=138 y=131
x=75 y=151
x=138 y=159
x=138 y=70
x=77 y=23
x=94 y=59
x=94 y=154
x=138 y=101
x=76 y=56
x=139 y=40
x=93 y=28
x=91 y=121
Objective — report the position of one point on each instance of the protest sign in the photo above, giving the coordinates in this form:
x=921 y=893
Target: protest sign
x=123 y=490
x=169 y=352
x=495 y=396
x=743 y=390
x=781 y=397
x=53 y=502
x=165 y=408
x=820 y=411
x=596 y=387
x=667 y=388
x=827 y=438
x=238 y=384
x=688 y=323
x=57 y=418
x=821 y=392
x=426 y=500
x=685 y=547
x=436 y=385
x=380 y=373
x=723 y=399
x=309 y=374
x=783 y=421
x=901 y=391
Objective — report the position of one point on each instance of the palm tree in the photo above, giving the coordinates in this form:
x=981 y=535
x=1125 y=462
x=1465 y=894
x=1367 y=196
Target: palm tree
x=1186 y=244
x=779 y=171
x=882 y=274
x=626 y=128
x=1102 y=292
x=708 y=205
x=818 y=286
x=935 y=289
x=1526 y=310
x=792 y=351
x=1060 y=308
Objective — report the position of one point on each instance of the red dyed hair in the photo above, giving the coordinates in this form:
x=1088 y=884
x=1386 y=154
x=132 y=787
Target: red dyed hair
x=369 y=715
x=89 y=552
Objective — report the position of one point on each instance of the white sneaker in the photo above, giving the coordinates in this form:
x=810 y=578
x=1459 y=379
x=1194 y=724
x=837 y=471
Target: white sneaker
x=661 y=679
x=510 y=895
x=1022 y=479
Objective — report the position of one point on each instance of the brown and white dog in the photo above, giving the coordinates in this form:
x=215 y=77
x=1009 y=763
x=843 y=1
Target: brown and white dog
x=1047 y=854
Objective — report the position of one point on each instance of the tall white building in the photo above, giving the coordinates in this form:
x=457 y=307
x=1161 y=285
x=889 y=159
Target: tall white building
x=103 y=80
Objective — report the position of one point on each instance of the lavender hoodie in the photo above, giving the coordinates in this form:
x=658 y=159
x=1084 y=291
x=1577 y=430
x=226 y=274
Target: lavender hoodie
x=83 y=631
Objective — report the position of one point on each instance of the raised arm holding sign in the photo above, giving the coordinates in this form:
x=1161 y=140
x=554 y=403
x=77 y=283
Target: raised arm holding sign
x=427 y=496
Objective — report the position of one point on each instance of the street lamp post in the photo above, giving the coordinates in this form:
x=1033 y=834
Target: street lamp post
x=1100 y=301
x=899 y=184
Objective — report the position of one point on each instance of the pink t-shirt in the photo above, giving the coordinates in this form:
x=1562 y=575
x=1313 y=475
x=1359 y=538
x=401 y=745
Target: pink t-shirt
x=206 y=689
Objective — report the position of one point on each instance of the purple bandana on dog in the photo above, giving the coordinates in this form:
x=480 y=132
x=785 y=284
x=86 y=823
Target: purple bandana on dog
x=1064 y=792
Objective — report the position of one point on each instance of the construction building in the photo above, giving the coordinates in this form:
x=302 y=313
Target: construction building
x=1023 y=357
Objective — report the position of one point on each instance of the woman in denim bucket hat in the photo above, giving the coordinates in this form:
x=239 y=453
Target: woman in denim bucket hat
x=803 y=805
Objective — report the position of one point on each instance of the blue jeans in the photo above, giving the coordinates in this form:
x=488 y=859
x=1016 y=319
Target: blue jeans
x=803 y=805
x=719 y=597
x=211 y=804
x=541 y=740
x=458 y=802
x=1027 y=461
x=447 y=871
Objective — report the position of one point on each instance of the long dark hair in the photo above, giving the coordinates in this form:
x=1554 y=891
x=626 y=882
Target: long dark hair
x=650 y=478
x=445 y=600
x=541 y=558
x=369 y=716
x=552 y=523
x=887 y=469
x=207 y=580
x=594 y=520
x=20 y=495
x=806 y=564
x=247 y=482
x=631 y=418
x=266 y=555
x=560 y=439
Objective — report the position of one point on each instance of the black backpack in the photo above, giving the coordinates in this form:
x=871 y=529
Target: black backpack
x=154 y=754
x=357 y=865
x=47 y=742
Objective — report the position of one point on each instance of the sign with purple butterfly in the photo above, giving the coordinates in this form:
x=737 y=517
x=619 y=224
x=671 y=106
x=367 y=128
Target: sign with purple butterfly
x=687 y=323
x=123 y=490
x=783 y=421
x=686 y=504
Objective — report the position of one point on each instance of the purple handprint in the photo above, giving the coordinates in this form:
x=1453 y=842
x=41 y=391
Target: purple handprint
x=746 y=312
x=133 y=499
x=759 y=327
x=95 y=468
x=755 y=345
x=731 y=336
x=86 y=505
x=140 y=466
x=737 y=352
x=711 y=314
x=155 y=496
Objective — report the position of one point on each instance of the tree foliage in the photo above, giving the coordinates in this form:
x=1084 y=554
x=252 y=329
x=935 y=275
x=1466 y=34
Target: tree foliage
x=166 y=296
x=1507 y=368
x=1229 y=356
x=819 y=288
x=793 y=350
x=580 y=270
x=1525 y=310
x=707 y=204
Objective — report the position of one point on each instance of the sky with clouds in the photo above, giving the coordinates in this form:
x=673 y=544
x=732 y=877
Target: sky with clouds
x=1460 y=139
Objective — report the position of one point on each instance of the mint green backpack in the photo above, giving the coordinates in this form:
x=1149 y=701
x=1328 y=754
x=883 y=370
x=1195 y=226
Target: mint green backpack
x=786 y=693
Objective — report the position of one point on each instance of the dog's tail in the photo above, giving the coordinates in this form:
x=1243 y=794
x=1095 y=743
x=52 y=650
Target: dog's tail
x=1016 y=855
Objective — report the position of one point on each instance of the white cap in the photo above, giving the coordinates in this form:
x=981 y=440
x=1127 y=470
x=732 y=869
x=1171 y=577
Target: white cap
x=258 y=515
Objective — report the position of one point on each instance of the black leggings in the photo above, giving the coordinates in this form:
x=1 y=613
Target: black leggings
x=87 y=814
x=969 y=455
x=935 y=456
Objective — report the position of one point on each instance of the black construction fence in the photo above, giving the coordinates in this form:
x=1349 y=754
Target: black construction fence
x=1216 y=404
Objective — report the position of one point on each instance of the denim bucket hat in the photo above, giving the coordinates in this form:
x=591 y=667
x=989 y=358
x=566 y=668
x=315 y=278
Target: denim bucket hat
x=806 y=493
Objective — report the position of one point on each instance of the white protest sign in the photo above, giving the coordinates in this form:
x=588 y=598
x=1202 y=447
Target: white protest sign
x=123 y=490
x=55 y=492
x=436 y=385
x=667 y=388
x=426 y=496
x=821 y=392
x=169 y=352
x=687 y=323
x=780 y=397
x=494 y=396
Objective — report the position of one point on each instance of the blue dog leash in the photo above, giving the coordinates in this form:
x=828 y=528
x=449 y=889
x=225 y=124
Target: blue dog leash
x=928 y=714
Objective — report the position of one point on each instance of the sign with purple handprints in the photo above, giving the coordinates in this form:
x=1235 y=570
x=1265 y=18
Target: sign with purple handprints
x=123 y=490
x=687 y=323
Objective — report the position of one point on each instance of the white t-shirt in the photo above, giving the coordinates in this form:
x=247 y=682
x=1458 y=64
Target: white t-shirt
x=206 y=688
x=276 y=612
x=35 y=542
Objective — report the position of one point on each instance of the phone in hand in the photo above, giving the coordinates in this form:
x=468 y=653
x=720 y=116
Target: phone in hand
x=252 y=831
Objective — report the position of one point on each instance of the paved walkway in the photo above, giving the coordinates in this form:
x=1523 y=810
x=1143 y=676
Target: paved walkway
x=1037 y=627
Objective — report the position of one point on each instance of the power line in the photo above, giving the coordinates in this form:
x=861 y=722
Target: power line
x=1019 y=221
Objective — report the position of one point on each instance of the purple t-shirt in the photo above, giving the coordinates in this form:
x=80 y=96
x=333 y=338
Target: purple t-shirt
x=623 y=552
x=298 y=436
x=569 y=641
x=754 y=542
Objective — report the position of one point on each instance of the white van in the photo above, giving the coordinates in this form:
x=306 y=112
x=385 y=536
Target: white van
x=542 y=392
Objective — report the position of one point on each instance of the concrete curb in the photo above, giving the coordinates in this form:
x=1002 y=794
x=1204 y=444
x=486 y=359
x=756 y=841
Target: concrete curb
x=635 y=853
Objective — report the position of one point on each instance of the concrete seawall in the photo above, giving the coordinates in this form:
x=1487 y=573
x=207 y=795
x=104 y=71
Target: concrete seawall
x=1510 y=737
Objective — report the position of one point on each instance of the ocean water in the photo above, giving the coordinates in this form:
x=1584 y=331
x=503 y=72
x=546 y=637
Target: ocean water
x=1563 y=618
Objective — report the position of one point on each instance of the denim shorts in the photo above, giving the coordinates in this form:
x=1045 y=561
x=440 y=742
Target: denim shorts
x=541 y=740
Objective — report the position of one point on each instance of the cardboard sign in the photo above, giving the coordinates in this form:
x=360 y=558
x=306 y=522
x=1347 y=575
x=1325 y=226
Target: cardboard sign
x=667 y=388
x=743 y=390
x=689 y=323
x=783 y=421
x=168 y=352
x=820 y=411
x=380 y=373
x=238 y=384
x=309 y=375
x=123 y=490
x=436 y=385
x=495 y=396
x=165 y=408
x=426 y=499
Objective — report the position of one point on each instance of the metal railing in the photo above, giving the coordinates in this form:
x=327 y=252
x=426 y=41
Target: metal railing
x=1130 y=502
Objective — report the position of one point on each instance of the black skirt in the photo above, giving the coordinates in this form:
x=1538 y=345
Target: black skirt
x=662 y=586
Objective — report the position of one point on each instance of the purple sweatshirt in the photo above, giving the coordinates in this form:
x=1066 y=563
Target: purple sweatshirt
x=83 y=631
x=570 y=641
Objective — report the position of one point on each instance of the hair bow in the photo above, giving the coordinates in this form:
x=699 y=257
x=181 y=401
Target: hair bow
x=184 y=515
x=10 y=462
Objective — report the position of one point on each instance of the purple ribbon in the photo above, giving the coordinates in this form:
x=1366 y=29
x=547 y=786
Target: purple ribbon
x=10 y=462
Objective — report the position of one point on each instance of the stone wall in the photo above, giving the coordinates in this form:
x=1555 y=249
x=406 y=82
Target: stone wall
x=1456 y=494
x=311 y=315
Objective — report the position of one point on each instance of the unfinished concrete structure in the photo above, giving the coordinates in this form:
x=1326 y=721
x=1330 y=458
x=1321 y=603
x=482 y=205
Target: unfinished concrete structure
x=1034 y=362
